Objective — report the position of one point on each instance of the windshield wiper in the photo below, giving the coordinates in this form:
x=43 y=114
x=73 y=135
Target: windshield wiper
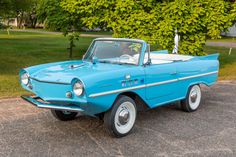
x=112 y=62
x=104 y=61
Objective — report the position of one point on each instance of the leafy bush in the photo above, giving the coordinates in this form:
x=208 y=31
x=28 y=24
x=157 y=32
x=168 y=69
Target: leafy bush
x=156 y=21
x=55 y=18
x=3 y=26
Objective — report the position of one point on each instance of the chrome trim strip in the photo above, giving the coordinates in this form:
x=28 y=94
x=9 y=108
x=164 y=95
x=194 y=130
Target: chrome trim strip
x=120 y=39
x=199 y=75
x=60 y=108
x=73 y=66
x=116 y=91
x=131 y=88
x=150 y=85
x=64 y=83
x=38 y=104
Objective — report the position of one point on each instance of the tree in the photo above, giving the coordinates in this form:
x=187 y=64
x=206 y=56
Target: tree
x=156 y=21
x=56 y=18
x=16 y=9
x=4 y=5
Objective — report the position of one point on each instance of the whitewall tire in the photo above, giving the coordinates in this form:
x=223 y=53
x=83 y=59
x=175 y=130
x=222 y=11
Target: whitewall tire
x=193 y=99
x=120 y=119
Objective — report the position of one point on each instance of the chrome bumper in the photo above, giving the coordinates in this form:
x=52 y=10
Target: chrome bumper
x=46 y=105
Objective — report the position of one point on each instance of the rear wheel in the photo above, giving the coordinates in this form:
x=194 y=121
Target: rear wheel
x=120 y=120
x=64 y=115
x=193 y=99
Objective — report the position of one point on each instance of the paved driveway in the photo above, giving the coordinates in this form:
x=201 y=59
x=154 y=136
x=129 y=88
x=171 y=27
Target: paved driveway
x=164 y=131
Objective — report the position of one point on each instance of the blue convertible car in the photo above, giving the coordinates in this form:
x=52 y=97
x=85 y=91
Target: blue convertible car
x=115 y=78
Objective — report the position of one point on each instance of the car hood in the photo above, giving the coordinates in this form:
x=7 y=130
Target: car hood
x=65 y=72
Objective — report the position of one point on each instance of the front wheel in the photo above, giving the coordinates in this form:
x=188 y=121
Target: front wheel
x=64 y=115
x=192 y=100
x=120 y=120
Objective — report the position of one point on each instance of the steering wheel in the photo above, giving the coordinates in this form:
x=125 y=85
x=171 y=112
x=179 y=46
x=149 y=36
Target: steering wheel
x=127 y=57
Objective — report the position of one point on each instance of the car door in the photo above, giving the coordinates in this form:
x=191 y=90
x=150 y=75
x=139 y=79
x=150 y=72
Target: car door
x=161 y=81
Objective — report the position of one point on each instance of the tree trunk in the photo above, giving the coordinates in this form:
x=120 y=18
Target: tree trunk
x=8 y=21
x=20 y=19
x=34 y=23
x=71 y=48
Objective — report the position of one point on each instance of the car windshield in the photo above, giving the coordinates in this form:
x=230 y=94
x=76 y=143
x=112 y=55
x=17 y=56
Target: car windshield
x=115 y=51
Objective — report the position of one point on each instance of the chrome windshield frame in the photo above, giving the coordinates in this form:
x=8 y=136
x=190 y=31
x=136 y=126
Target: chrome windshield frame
x=87 y=55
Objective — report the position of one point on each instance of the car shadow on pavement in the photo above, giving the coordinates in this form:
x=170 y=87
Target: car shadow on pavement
x=164 y=131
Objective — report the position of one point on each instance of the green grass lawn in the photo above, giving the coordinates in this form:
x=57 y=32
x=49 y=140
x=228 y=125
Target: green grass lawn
x=223 y=39
x=81 y=32
x=227 y=62
x=23 y=49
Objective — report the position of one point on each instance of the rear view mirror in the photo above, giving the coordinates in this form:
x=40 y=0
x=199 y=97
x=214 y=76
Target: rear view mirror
x=147 y=54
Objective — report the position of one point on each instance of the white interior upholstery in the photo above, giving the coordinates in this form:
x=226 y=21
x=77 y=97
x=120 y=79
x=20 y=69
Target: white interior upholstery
x=170 y=57
x=165 y=58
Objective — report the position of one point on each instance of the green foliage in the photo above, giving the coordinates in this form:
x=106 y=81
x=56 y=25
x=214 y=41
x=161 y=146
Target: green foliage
x=56 y=18
x=135 y=46
x=71 y=37
x=4 y=7
x=20 y=9
x=156 y=21
x=11 y=8
x=74 y=36
x=3 y=26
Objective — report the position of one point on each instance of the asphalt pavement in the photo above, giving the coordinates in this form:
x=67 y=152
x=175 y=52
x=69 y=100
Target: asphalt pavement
x=163 y=131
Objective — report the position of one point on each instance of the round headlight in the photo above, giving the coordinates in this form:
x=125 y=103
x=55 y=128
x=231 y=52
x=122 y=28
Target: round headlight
x=78 y=88
x=25 y=78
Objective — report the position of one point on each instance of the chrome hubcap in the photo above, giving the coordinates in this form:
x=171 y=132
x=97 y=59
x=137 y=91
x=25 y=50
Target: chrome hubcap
x=193 y=96
x=124 y=116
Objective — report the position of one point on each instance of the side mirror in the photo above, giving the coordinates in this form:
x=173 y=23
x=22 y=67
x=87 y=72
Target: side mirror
x=94 y=59
x=149 y=61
